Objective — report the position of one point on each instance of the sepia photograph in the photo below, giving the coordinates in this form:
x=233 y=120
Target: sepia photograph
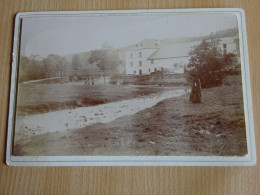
x=162 y=84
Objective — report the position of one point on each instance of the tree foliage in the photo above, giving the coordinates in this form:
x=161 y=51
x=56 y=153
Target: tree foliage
x=30 y=69
x=76 y=63
x=53 y=64
x=33 y=68
x=104 y=59
x=208 y=62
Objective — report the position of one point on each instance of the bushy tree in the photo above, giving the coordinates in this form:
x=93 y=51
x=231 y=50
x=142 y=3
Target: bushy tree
x=34 y=68
x=207 y=62
x=24 y=63
x=30 y=68
x=53 y=65
x=76 y=63
x=104 y=59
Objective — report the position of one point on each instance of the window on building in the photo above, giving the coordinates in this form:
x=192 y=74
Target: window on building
x=149 y=70
x=140 y=72
x=225 y=48
x=155 y=69
x=131 y=55
x=140 y=54
x=152 y=62
x=131 y=64
x=140 y=63
x=134 y=72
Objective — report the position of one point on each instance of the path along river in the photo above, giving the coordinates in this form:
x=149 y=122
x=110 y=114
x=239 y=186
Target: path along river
x=81 y=117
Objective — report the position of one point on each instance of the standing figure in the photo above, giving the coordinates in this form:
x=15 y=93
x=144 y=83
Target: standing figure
x=195 y=96
x=92 y=80
x=88 y=82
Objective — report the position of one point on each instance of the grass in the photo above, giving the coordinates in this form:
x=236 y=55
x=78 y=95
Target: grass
x=155 y=79
x=177 y=127
x=173 y=127
x=41 y=98
x=50 y=95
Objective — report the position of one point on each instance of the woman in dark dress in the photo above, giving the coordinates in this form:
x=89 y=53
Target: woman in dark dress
x=195 y=96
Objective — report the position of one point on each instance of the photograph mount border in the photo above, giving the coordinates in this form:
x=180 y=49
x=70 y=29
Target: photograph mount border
x=247 y=160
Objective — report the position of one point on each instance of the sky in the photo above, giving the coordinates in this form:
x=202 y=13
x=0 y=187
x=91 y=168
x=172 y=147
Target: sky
x=68 y=35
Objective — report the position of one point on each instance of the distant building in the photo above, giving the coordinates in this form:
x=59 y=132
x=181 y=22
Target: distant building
x=151 y=56
x=138 y=63
x=231 y=45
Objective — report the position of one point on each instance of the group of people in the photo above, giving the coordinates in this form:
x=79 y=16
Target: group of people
x=89 y=81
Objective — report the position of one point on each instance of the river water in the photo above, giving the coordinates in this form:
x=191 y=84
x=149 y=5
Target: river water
x=81 y=117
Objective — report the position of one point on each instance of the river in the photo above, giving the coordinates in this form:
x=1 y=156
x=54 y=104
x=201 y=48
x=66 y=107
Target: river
x=81 y=117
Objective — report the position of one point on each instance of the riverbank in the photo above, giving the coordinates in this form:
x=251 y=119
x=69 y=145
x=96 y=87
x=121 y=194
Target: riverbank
x=173 y=126
x=70 y=119
x=43 y=98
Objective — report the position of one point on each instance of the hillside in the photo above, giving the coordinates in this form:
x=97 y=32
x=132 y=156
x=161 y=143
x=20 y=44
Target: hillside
x=53 y=64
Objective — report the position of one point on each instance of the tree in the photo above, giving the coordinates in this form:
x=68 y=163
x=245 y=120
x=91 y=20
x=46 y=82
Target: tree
x=54 y=65
x=104 y=59
x=207 y=61
x=24 y=63
x=36 y=70
x=33 y=68
x=76 y=63
x=30 y=68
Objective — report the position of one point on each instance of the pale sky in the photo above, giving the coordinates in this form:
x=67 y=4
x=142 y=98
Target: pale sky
x=67 y=35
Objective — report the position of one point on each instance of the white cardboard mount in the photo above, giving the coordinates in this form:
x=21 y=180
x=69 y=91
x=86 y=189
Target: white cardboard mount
x=247 y=160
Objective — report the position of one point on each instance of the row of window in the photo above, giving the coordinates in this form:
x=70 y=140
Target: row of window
x=132 y=64
x=140 y=71
x=139 y=54
x=140 y=63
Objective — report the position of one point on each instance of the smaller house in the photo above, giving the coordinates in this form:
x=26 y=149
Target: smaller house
x=231 y=45
x=171 y=58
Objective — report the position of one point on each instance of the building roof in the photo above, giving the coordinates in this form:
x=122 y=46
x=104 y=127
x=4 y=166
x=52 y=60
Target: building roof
x=145 y=44
x=167 y=49
x=173 y=51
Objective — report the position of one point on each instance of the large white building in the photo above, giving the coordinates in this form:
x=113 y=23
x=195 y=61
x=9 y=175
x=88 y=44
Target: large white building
x=151 y=56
